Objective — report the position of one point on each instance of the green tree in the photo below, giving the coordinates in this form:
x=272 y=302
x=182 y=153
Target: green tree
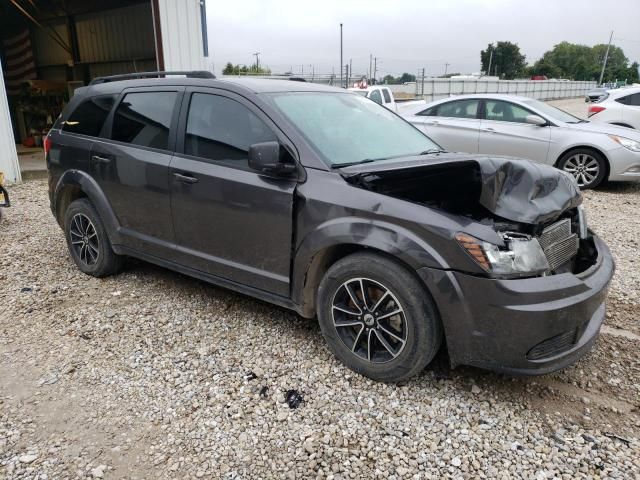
x=228 y=69
x=581 y=62
x=406 y=77
x=506 y=60
x=389 y=79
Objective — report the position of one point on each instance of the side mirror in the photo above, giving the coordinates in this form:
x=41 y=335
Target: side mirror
x=536 y=120
x=265 y=157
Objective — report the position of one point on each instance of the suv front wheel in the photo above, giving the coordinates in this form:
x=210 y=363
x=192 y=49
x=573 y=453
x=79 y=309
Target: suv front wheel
x=377 y=318
x=88 y=242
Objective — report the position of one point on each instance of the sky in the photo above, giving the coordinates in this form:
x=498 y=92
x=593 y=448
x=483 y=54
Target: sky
x=408 y=35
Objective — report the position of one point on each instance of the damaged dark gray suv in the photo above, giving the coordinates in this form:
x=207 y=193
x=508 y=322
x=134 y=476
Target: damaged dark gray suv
x=322 y=201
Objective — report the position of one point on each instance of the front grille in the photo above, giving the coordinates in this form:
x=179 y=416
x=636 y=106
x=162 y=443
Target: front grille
x=558 y=243
x=553 y=345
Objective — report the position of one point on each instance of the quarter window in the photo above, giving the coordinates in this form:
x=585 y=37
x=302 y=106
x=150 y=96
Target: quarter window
x=633 y=100
x=144 y=119
x=387 y=96
x=222 y=129
x=458 y=109
x=506 y=112
x=88 y=118
x=376 y=97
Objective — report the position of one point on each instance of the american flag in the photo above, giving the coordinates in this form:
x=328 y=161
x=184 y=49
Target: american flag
x=20 y=65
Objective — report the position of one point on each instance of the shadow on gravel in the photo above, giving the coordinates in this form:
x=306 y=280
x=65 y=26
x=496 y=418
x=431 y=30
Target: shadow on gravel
x=619 y=187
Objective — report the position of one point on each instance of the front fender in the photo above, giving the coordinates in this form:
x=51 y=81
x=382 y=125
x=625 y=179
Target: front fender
x=83 y=181
x=392 y=239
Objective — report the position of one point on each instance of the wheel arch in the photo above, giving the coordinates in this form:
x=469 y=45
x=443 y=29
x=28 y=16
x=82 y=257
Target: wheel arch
x=75 y=184
x=314 y=258
x=586 y=147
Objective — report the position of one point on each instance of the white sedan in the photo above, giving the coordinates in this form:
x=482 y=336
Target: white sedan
x=527 y=128
x=619 y=107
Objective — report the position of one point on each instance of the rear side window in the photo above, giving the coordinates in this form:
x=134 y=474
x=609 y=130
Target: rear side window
x=88 y=117
x=387 y=97
x=221 y=129
x=459 y=109
x=144 y=119
x=376 y=97
x=633 y=100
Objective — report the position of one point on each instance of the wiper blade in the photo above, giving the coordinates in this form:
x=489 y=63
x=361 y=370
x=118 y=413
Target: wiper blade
x=349 y=164
x=432 y=151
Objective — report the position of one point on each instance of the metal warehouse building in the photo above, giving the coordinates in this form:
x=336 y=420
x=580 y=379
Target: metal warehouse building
x=50 y=47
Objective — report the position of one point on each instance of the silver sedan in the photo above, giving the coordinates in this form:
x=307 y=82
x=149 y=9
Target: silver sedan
x=527 y=128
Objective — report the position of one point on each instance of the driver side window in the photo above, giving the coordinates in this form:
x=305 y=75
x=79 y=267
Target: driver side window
x=502 y=111
x=222 y=129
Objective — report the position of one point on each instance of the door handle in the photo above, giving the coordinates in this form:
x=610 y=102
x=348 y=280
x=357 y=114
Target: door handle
x=185 y=178
x=99 y=159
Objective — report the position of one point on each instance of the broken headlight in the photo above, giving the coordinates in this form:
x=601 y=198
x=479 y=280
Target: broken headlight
x=521 y=255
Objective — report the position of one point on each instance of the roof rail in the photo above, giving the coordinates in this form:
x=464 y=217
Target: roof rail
x=133 y=76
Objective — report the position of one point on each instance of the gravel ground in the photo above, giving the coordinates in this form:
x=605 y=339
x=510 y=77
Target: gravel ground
x=151 y=374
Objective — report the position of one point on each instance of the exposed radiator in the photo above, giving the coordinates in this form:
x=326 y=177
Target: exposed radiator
x=559 y=244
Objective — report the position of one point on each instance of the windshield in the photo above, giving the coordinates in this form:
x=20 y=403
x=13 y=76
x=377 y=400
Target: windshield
x=553 y=112
x=348 y=129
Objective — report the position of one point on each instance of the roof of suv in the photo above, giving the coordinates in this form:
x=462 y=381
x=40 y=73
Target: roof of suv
x=254 y=85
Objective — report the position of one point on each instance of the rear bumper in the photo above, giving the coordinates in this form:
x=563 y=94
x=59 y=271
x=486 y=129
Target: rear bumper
x=523 y=326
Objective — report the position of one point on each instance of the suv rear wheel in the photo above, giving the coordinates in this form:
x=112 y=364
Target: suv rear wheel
x=88 y=242
x=377 y=318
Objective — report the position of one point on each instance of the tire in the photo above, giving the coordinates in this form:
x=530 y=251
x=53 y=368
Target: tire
x=88 y=242
x=587 y=166
x=413 y=336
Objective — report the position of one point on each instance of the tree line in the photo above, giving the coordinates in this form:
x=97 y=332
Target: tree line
x=231 y=69
x=564 y=60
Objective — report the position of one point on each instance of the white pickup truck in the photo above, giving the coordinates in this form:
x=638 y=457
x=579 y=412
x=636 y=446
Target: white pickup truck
x=384 y=96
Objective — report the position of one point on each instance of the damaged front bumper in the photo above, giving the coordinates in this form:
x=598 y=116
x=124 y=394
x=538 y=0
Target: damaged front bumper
x=526 y=326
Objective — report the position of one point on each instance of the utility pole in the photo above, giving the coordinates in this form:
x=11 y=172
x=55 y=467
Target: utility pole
x=606 y=57
x=446 y=67
x=422 y=90
x=346 y=77
x=375 y=69
x=350 y=71
x=490 y=59
x=341 y=64
x=370 y=69
x=257 y=55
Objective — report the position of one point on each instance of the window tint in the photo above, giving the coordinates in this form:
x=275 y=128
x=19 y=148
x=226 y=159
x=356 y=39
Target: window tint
x=376 y=97
x=387 y=97
x=89 y=116
x=506 y=112
x=144 y=119
x=459 y=109
x=429 y=112
x=219 y=128
x=633 y=100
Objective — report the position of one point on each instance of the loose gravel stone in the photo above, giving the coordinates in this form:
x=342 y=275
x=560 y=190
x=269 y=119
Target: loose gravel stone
x=151 y=380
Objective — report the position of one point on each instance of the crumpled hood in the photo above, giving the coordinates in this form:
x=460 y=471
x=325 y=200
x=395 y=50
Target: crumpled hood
x=525 y=191
x=514 y=189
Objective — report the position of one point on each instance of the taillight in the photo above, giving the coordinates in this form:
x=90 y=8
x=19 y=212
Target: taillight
x=593 y=109
x=47 y=145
